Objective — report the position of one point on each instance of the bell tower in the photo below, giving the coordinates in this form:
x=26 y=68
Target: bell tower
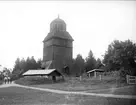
x=58 y=46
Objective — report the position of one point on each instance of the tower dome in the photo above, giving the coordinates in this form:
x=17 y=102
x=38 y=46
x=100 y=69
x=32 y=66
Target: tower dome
x=57 y=25
x=58 y=30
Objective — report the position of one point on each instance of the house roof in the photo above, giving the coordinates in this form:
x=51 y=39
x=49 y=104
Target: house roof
x=97 y=70
x=40 y=72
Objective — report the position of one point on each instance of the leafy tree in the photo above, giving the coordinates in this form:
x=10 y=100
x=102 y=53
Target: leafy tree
x=6 y=71
x=121 y=54
x=90 y=62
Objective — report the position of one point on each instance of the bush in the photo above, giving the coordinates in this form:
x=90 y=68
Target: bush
x=15 y=77
x=122 y=73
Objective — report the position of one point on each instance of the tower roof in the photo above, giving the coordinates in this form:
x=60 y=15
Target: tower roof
x=57 y=25
x=58 y=29
x=59 y=34
x=58 y=21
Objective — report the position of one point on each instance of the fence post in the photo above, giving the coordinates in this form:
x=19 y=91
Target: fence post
x=80 y=78
x=127 y=77
x=89 y=75
x=95 y=74
x=100 y=77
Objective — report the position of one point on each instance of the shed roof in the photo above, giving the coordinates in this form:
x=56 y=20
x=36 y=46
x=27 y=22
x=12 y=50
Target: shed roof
x=40 y=72
x=97 y=70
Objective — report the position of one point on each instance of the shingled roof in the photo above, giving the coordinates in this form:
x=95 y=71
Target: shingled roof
x=42 y=72
x=58 y=34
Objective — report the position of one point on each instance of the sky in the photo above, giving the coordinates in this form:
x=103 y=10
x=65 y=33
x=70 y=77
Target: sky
x=92 y=24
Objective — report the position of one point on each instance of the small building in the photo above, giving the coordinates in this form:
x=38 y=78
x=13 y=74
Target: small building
x=95 y=72
x=43 y=72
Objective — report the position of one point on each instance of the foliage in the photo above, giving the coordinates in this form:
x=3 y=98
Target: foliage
x=78 y=65
x=99 y=64
x=1 y=75
x=22 y=65
x=81 y=66
x=90 y=62
x=121 y=54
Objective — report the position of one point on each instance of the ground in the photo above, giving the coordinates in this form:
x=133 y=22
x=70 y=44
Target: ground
x=22 y=96
x=15 y=95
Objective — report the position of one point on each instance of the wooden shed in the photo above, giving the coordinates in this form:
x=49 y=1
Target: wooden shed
x=95 y=72
x=44 y=72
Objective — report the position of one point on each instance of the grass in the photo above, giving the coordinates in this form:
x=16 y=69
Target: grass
x=108 y=84
x=21 y=96
x=72 y=83
x=128 y=90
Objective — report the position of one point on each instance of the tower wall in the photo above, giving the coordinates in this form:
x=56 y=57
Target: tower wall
x=59 y=51
x=48 y=50
x=62 y=56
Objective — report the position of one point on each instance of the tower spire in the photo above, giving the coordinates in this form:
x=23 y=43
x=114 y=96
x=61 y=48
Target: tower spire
x=58 y=16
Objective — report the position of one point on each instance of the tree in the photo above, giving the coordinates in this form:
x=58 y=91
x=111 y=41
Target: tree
x=90 y=62
x=16 y=68
x=39 y=63
x=78 y=65
x=28 y=63
x=19 y=68
x=121 y=54
x=6 y=71
x=79 y=62
x=33 y=64
x=98 y=64
x=22 y=65
x=17 y=64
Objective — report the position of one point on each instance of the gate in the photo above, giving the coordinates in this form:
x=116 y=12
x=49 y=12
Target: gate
x=131 y=79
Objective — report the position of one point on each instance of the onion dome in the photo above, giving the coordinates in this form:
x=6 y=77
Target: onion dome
x=57 y=25
x=58 y=30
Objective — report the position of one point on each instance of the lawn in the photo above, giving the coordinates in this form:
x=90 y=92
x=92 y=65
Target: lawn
x=21 y=96
x=106 y=85
x=72 y=83
x=127 y=90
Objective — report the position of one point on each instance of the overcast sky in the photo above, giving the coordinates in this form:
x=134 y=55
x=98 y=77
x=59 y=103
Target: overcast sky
x=93 y=25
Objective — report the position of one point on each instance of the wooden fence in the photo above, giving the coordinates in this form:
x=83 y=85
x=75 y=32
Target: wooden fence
x=131 y=79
